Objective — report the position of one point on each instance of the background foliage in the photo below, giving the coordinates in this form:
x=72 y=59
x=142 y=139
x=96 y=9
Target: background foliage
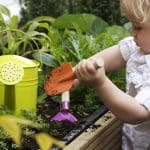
x=109 y=10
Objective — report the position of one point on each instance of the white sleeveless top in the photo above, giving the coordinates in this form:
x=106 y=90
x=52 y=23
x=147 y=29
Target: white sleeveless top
x=136 y=137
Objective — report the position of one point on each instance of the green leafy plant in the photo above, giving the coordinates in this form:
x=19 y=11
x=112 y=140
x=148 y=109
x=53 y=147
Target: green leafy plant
x=11 y=125
x=15 y=40
x=88 y=23
x=70 y=43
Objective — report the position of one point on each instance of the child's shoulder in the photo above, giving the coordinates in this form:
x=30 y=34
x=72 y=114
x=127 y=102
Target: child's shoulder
x=128 y=41
x=128 y=47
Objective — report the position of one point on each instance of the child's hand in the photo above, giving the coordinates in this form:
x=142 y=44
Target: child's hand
x=75 y=84
x=91 y=72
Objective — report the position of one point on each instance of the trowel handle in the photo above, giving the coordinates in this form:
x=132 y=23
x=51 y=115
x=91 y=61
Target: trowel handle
x=65 y=100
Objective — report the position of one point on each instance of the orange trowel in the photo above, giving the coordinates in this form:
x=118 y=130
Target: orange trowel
x=60 y=80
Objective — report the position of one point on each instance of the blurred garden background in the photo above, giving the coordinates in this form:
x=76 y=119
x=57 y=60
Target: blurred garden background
x=109 y=10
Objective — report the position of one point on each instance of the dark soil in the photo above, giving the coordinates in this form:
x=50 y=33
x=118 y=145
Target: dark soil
x=64 y=131
x=60 y=129
x=79 y=107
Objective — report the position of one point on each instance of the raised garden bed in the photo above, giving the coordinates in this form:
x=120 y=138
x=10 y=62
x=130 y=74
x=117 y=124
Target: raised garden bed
x=101 y=131
x=66 y=131
x=91 y=129
x=104 y=134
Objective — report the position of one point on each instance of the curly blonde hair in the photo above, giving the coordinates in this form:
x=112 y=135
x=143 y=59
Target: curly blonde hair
x=136 y=10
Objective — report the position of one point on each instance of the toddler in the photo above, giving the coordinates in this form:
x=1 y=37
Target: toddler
x=133 y=107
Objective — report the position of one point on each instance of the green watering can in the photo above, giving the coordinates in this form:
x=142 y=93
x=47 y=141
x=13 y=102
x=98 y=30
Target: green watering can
x=18 y=83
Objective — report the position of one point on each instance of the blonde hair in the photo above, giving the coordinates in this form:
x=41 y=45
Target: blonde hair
x=136 y=10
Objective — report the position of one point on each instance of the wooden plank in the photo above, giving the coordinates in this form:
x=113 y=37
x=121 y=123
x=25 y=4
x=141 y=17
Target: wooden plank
x=105 y=134
x=110 y=138
x=110 y=146
x=108 y=134
x=86 y=138
x=115 y=140
x=107 y=140
x=116 y=147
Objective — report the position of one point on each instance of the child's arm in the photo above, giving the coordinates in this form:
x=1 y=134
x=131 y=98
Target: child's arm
x=125 y=107
x=112 y=57
x=112 y=60
x=122 y=105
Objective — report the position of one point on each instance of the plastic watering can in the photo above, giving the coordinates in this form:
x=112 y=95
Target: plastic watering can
x=18 y=83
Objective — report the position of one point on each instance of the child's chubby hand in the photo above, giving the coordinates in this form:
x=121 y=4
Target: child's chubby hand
x=75 y=84
x=91 y=72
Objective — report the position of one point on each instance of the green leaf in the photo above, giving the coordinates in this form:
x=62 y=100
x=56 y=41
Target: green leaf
x=36 y=25
x=36 y=34
x=33 y=26
x=10 y=126
x=45 y=141
x=33 y=33
x=39 y=20
x=45 y=58
x=25 y=122
x=87 y=22
x=4 y=10
x=121 y=32
x=2 y=22
x=44 y=19
x=14 y=22
x=11 y=42
x=98 y=26
x=41 y=98
x=44 y=25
